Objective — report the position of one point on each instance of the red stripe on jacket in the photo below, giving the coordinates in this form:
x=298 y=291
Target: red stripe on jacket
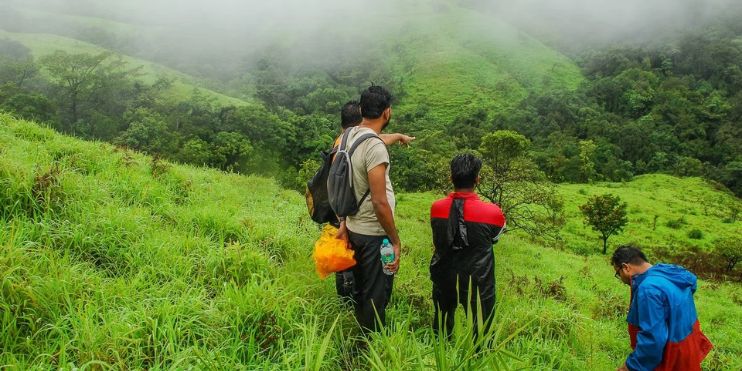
x=475 y=210
x=685 y=355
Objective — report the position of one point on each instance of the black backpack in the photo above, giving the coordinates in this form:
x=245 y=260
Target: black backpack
x=316 y=192
x=340 y=189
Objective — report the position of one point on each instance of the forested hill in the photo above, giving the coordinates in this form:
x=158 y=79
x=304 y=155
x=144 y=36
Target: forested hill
x=458 y=74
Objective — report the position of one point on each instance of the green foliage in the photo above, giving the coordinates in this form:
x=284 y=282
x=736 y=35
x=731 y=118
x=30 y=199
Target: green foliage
x=605 y=214
x=510 y=179
x=731 y=250
x=16 y=64
x=147 y=132
x=230 y=149
x=587 y=161
x=75 y=75
x=196 y=151
x=306 y=172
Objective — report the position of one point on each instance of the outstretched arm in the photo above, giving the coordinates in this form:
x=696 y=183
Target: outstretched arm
x=390 y=139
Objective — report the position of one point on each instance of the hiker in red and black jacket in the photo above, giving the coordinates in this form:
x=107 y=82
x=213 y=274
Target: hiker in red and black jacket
x=663 y=325
x=464 y=230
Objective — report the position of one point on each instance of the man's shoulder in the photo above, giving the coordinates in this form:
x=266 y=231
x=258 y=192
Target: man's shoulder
x=487 y=211
x=654 y=286
x=440 y=208
x=360 y=132
x=479 y=211
x=371 y=144
x=487 y=206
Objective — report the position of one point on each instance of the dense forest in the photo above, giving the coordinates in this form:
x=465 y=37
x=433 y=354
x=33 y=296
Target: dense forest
x=672 y=108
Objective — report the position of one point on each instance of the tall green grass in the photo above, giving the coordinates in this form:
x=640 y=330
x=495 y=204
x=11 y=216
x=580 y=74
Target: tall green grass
x=109 y=259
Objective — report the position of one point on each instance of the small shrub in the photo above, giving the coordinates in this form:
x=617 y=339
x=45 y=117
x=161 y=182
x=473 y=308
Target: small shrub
x=237 y=263
x=695 y=234
x=158 y=167
x=518 y=283
x=676 y=223
x=582 y=191
x=610 y=306
x=46 y=191
x=554 y=289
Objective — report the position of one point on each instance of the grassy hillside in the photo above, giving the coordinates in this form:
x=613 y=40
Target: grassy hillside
x=460 y=60
x=113 y=258
x=680 y=206
x=183 y=85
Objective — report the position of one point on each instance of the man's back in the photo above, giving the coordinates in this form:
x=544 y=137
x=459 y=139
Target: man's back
x=368 y=155
x=663 y=323
x=462 y=268
x=482 y=221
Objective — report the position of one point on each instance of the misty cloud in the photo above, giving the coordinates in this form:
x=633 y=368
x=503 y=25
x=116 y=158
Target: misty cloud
x=224 y=34
x=588 y=23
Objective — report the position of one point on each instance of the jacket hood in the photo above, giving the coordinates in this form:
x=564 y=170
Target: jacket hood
x=675 y=274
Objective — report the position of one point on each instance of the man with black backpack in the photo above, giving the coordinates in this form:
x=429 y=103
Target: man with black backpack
x=316 y=192
x=350 y=116
x=360 y=190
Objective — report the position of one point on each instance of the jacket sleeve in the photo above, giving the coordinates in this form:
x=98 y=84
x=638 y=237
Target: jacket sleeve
x=652 y=338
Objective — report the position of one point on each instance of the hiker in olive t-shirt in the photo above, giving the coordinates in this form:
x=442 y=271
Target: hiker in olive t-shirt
x=350 y=116
x=374 y=221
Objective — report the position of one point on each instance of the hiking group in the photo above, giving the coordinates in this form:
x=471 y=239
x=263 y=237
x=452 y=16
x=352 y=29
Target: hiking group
x=353 y=192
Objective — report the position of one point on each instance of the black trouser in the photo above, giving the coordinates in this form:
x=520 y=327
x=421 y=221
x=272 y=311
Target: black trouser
x=345 y=284
x=452 y=286
x=373 y=288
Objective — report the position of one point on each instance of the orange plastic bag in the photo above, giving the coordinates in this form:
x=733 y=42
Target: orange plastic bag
x=331 y=254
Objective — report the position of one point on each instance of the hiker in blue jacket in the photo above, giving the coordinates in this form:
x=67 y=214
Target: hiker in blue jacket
x=663 y=326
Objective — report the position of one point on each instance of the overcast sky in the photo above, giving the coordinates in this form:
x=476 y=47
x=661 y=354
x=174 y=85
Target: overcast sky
x=589 y=16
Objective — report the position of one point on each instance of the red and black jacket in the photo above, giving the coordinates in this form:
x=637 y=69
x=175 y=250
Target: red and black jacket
x=464 y=230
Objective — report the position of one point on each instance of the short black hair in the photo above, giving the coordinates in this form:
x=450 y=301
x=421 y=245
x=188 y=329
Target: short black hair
x=350 y=114
x=628 y=254
x=465 y=170
x=374 y=101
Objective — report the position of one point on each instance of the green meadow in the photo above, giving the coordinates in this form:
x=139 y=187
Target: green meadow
x=110 y=259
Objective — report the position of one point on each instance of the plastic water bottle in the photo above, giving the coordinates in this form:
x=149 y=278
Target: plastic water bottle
x=387 y=256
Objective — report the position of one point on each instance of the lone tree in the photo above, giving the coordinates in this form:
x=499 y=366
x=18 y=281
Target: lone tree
x=730 y=250
x=511 y=179
x=606 y=214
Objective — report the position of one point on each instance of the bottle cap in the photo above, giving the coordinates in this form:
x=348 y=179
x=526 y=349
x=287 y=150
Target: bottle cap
x=386 y=241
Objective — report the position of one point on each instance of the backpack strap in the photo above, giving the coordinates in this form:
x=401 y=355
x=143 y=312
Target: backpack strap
x=344 y=140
